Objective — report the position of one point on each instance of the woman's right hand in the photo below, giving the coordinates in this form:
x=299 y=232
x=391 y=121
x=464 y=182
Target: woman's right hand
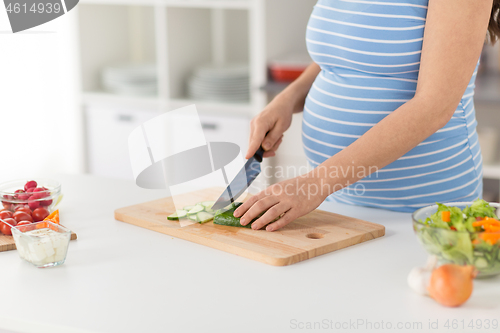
x=267 y=128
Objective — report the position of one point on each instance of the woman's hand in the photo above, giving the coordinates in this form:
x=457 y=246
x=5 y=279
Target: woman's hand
x=284 y=201
x=267 y=127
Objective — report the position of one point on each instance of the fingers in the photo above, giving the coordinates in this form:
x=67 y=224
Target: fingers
x=257 y=208
x=247 y=204
x=283 y=221
x=269 y=154
x=258 y=131
x=272 y=151
x=274 y=135
x=271 y=214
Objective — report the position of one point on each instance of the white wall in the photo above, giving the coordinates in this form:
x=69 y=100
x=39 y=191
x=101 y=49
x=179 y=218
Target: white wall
x=40 y=126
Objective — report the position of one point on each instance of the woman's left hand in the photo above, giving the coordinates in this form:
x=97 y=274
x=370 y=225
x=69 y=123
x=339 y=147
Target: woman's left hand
x=289 y=199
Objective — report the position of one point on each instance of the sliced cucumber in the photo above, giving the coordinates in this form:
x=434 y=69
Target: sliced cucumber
x=195 y=210
x=480 y=263
x=193 y=218
x=188 y=208
x=207 y=204
x=203 y=217
x=179 y=214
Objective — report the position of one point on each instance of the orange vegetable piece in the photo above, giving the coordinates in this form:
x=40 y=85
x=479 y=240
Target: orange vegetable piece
x=490 y=238
x=445 y=216
x=41 y=225
x=54 y=217
x=486 y=222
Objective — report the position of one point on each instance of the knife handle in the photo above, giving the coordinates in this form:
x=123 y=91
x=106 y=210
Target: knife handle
x=259 y=154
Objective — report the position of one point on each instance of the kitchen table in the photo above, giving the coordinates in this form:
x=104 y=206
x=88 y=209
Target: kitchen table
x=122 y=278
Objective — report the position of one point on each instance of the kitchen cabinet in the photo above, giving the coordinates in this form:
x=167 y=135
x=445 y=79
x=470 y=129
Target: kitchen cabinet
x=107 y=131
x=108 y=128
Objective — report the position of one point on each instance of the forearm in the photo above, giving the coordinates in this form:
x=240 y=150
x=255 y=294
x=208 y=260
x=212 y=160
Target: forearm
x=297 y=90
x=384 y=143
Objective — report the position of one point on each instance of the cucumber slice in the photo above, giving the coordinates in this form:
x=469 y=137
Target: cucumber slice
x=188 y=208
x=204 y=217
x=195 y=210
x=207 y=204
x=179 y=214
x=480 y=263
x=193 y=218
x=208 y=210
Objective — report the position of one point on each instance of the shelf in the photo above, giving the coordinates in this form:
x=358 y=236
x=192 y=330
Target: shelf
x=149 y=102
x=139 y=102
x=223 y=4
x=215 y=108
x=491 y=171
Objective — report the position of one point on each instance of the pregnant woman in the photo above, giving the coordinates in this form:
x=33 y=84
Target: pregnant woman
x=389 y=118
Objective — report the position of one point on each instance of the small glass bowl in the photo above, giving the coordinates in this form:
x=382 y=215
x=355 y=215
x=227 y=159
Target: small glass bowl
x=459 y=247
x=11 y=200
x=43 y=244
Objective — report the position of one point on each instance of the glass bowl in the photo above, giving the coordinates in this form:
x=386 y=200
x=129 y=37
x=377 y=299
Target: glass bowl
x=43 y=244
x=459 y=247
x=13 y=195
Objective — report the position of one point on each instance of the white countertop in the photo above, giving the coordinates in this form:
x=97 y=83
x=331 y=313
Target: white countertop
x=122 y=278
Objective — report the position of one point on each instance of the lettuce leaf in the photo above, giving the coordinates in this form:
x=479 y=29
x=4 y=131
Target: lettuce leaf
x=480 y=208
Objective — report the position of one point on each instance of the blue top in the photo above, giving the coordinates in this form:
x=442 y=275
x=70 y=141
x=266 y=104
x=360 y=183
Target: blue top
x=369 y=54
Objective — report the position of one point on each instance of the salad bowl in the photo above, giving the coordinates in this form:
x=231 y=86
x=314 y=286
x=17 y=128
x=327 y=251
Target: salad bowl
x=463 y=233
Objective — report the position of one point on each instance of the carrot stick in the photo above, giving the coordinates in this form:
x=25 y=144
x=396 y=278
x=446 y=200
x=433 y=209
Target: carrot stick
x=445 y=216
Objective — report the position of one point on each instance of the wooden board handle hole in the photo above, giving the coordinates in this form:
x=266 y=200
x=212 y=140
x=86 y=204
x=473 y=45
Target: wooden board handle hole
x=315 y=235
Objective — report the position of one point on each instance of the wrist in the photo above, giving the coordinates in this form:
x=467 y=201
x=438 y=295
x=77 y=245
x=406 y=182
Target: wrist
x=321 y=183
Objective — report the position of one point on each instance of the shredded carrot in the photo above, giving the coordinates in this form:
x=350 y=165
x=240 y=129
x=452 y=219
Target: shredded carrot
x=486 y=221
x=490 y=238
x=493 y=228
x=445 y=216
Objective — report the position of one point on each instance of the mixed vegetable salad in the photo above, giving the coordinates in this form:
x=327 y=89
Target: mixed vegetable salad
x=464 y=236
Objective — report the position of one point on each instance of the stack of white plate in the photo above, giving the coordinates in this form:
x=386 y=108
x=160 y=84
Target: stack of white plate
x=228 y=83
x=138 y=80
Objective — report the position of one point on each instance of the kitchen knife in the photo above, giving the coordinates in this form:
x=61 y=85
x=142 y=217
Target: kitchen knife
x=242 y=181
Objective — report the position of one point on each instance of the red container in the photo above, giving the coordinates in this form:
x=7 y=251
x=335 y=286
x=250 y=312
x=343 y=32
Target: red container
x=288 y=70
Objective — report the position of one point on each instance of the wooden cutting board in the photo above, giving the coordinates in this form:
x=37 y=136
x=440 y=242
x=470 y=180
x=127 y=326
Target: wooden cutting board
x=7 y=242
x=314 y=234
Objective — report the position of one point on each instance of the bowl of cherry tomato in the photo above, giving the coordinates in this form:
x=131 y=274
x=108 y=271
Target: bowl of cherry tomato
x=27 y=201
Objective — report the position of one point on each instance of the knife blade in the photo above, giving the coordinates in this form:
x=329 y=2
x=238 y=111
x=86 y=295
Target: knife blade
x=242 y=181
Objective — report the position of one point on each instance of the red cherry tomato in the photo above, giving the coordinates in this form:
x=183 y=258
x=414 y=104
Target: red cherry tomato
x=42 y=192
x=4 y=228
x=30 y=184
x=5 y=214
x=22 y=216
x=24 y=208
x=33 y=204
x=23 y=196
x=40 y=213
x=24 y=229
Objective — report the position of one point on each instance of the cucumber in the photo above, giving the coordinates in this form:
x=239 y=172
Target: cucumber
x=207 y=204
x=179 y=214
x=188 y=208
x=227 y=218
x=195 y=210
x=203 y=217
x=480 y=263
x=193 y=218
